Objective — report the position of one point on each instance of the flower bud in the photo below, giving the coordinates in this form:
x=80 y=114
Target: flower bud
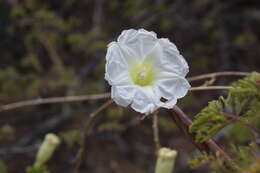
x=50 y=143
x=165 y=160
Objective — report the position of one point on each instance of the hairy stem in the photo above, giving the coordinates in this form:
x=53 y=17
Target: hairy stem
x=209 y=146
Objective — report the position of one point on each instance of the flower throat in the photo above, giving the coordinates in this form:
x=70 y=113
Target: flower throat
x=142 y=74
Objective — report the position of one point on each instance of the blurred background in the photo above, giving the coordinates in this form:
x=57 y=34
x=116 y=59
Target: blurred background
x=56 y=48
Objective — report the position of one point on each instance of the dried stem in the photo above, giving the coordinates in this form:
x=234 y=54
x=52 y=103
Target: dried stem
x=203 y=88
x=209 y=146
x=85 y=133
x=216 y=74
x=101 y=108
x=65 y=99
x=41 y=101
x=209 y=82
x=156 y=137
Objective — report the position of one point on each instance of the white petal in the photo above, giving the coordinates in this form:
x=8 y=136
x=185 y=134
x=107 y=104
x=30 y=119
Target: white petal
x=115 y=53
x=116 y=74
x=147 y=101
x=172 y=54
x=117 y=69
x=123 y=95
x=167 y=59
x=121 y=53
x=171 y=88
x=144 y=101
x=139 y=41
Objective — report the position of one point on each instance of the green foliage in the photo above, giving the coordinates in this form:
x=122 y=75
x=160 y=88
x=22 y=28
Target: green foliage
x=6 y=132
x=109 y=126
x=38 y=169
x=208 y=121
x=199 y=161
x=166 y=124
x=71 y=137
x=3 y=167
x=243 y=159
x=238 y=128
x=14 y=84
x=245 y=39
x=52 y=46
x=242 y=101
x=112 y=122
x=216 y=165
x=114 y=113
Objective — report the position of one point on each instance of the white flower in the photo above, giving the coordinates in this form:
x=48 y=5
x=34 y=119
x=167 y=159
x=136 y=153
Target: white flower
x=144 y=71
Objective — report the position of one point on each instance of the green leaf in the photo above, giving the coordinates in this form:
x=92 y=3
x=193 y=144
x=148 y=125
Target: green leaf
x=243 y=101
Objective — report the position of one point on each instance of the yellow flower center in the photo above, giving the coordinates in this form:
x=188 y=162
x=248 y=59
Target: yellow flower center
x=142 y=74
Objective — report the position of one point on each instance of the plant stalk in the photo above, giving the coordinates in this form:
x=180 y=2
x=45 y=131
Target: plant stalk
x=184 y=122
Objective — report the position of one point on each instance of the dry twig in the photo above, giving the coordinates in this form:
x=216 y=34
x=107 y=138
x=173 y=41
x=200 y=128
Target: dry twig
x=101 y=108
x=209 y=82
x=216 y=74
x=86 y=132
x=203 y=88
x=65 y=99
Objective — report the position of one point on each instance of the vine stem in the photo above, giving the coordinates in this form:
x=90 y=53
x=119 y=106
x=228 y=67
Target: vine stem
x=184 y=122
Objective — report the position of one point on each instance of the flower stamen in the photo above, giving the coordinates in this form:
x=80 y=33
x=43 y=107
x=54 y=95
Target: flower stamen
x=142 y=74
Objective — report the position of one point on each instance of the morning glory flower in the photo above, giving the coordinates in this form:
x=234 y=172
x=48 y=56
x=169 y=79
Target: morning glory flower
x=145 y=72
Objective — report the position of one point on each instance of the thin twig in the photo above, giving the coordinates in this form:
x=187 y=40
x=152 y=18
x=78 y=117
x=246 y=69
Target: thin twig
x=41 y=101
x=101 y=108
x=203 y=88
x=156 y=137
x=216 y=74
x=86 y=132
x=209 y=146
x=209 y=82
x=65 y=99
